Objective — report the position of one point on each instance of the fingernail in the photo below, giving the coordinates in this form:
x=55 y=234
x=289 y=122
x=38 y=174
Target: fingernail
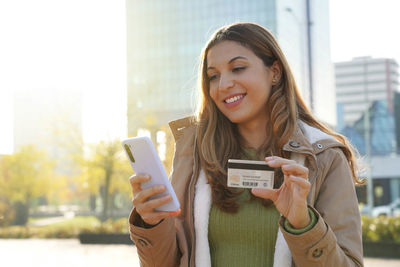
x=255 y=190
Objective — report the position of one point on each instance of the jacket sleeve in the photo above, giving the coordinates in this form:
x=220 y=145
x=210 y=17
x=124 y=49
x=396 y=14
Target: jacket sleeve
x=336 y=239
x=156 y=246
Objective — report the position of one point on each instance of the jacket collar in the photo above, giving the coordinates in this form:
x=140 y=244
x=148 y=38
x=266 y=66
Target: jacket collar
x=310 y=140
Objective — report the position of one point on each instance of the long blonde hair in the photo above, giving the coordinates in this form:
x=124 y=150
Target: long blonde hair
x=218 y=139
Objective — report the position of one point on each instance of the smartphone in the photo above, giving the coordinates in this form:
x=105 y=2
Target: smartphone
x=144 y=159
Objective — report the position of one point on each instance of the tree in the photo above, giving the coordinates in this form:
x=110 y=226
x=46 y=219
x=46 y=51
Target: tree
x=106 y=172
x=25 y=175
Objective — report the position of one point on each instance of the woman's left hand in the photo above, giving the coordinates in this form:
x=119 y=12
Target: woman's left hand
x=290 y=198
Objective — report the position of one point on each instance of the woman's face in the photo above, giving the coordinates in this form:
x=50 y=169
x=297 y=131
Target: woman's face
x=240 y=83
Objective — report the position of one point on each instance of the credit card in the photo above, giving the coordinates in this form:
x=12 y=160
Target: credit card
x=250 y=174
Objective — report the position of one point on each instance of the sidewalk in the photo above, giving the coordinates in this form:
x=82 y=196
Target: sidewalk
x=69 y=252
x=65 y=253
x=43 y=222
x=47 y=221
x=378 y=262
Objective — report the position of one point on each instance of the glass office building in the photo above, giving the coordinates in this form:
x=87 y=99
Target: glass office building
x=165 y=39
x=362 y=81
x=382 y=131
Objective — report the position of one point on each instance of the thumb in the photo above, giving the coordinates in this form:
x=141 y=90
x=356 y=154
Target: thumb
x=264 y=193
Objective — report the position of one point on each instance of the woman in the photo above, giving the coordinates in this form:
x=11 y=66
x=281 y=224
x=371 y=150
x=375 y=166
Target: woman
x=251 y=109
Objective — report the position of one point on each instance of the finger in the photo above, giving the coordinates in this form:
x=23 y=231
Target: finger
x=288 y=166
x=276 y=162
x=161 y=214
x=295 y=169
x=144 y=194
x=265 y=193
x=155 y=203
x=157 y=216
x=136 y=180
x=305 y=184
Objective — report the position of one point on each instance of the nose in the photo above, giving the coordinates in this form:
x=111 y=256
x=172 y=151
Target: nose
x=226 y=82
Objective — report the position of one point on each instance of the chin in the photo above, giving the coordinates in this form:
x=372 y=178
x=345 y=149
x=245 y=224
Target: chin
x=236 y=119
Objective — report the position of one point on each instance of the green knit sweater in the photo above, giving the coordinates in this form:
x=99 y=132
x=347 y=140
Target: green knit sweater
x=246 y=238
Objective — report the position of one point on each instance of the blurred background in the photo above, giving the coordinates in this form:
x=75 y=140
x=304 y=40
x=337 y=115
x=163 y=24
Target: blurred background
x=77 y=77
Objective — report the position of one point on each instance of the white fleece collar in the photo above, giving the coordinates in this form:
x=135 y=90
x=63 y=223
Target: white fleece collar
x=202 y=206
x=312 y=134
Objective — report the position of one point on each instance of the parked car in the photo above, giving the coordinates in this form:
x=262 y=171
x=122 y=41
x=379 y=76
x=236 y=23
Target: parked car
x=392 y=209
x=364 y=209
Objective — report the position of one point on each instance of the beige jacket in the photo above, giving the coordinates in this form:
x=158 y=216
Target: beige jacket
x=334 y=241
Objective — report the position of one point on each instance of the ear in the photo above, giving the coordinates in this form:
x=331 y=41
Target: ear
x=276 y=71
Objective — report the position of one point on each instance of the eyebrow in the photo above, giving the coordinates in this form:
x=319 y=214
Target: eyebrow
x=230 y=61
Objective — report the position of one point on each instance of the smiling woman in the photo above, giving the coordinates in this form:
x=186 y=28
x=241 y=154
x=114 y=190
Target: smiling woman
x=251 y=109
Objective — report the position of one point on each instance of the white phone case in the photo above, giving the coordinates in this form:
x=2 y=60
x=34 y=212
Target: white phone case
x=145 y=160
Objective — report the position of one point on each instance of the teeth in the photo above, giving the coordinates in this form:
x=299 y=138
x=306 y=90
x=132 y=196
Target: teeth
x=233 y=99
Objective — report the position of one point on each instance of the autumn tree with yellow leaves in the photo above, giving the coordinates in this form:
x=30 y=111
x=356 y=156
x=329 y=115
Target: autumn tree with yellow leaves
x=25 y=175
x=105 y=173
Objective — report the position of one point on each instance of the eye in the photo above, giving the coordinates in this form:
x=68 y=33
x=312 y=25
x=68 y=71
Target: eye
x=212 y=77
x=237 y=69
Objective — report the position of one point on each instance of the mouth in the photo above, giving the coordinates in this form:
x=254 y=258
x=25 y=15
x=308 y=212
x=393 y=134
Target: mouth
x=234 y=98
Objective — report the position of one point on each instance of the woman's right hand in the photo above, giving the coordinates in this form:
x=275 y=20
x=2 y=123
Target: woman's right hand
x=144 y=206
